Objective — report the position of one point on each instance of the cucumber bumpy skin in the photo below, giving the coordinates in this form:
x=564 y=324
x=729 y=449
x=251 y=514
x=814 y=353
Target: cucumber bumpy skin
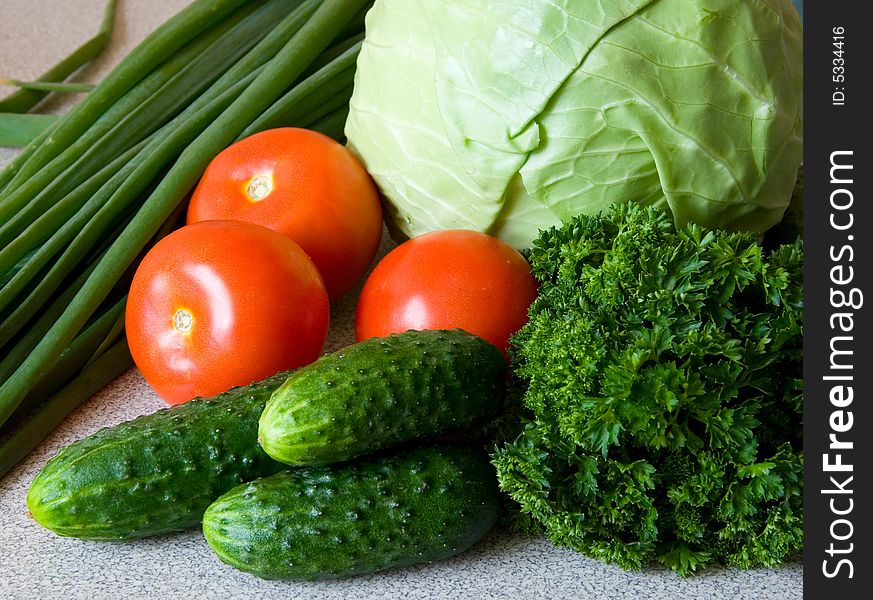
x=157 y=473
x=381 y=392
x=354 y=518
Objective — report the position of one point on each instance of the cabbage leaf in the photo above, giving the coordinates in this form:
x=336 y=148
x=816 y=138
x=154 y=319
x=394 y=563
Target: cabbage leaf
x=511 y=116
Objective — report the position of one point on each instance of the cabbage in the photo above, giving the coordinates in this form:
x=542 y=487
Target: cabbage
x=508 y=116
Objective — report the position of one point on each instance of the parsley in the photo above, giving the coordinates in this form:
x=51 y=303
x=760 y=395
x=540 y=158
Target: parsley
x=664 y=389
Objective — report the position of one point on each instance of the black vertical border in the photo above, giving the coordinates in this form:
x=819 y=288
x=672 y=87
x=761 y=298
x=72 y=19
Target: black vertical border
x=830 y=127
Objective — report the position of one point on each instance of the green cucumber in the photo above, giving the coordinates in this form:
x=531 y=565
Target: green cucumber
x=361 y=517
x=381 y=392
x=156 y=473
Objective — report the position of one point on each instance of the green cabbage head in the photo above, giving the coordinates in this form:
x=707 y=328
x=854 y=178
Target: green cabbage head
x=508 y=116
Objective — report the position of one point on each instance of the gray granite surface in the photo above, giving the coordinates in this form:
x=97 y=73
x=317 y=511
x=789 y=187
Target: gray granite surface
x=36 y=564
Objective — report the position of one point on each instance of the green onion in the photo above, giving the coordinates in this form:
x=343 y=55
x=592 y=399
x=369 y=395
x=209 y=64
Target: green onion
x=25 y=99
x=334 y=78
x=162 y=44
x=29 y=228
x=97 y=374
x=147 y=106
x=9 y=171
x=50 y=86
x=17 y=131
x=80 y=228
x=333 y=125
x=25 y=343
x=39 y=327
x=150 y=104
x=74 y=356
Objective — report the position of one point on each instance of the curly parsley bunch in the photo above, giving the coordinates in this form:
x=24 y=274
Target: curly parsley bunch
x=664 y=381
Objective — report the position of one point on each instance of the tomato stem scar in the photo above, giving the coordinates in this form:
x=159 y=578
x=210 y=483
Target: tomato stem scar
x=259 y=187
x=182 y=321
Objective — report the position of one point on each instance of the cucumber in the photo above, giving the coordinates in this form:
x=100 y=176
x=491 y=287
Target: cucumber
x=361 y=517
x=381 y=392
x=157 y=473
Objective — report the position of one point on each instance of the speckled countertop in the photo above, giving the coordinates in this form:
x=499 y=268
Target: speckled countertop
x=34 y=563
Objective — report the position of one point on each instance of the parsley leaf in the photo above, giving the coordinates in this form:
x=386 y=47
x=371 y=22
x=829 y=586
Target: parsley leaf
x=663 y=373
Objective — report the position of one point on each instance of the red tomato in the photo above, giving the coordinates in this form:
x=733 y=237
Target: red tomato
x=223 y=303
x=302 y=184
x=444 y=280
